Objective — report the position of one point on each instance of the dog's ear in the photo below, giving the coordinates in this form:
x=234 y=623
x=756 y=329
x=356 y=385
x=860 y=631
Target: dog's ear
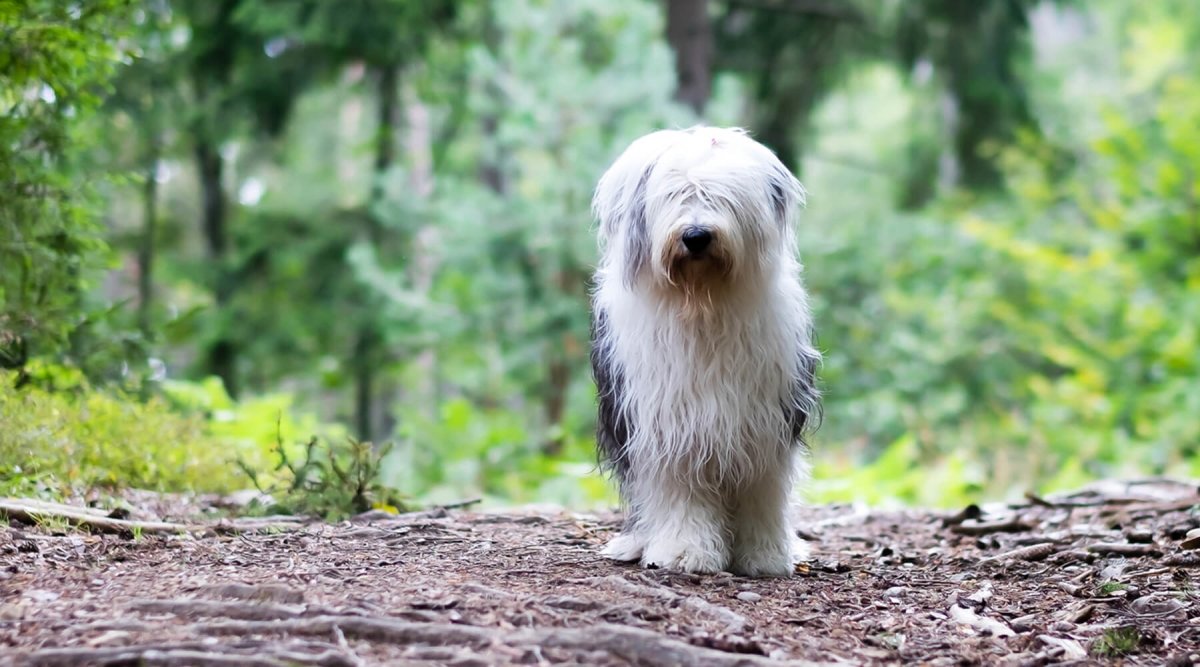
x=620 y=206
x=637 y=236
x=786 y=194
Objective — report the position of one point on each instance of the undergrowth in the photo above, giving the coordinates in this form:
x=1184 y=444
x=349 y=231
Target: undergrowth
x=61 y=436
x=325 y=480
x=55 y=441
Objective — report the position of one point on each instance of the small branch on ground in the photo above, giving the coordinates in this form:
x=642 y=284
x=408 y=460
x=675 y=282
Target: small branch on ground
x=34 y=513
x=1033 y=552
x=460 y=504
x=1013 y=525
x=1121 y=549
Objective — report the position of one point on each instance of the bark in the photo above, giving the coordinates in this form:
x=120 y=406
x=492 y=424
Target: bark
x=491 y=169
x=222 y=353
x=558 y=377
x=147 y=248
x=211 y=70
x=689 y=31
x=423 y=268
x=369 y=417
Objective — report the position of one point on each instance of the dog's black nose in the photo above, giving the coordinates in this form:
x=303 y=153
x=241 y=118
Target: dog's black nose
x=696 y=239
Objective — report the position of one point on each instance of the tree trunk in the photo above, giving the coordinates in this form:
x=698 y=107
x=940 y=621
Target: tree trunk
x=492 y=164
x=423 y=268
x=146 y=249
x=558 y=379
x=689 y=31
x=368 y=347
x=222 y=353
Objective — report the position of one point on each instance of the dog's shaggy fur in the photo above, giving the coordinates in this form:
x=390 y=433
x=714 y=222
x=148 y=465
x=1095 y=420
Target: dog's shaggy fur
x=702 y=351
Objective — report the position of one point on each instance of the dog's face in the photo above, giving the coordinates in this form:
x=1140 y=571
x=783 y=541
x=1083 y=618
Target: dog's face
x=696 y=210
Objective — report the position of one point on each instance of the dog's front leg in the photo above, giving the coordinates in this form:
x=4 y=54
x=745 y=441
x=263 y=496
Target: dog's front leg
x=764 y=543
x=685 y=526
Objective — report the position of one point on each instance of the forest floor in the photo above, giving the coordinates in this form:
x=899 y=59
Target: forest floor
x=1103 y=575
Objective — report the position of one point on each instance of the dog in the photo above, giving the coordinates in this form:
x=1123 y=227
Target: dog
x=702 y=352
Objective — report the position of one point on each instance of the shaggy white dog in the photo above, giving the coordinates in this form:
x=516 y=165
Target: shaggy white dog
x=702 y=351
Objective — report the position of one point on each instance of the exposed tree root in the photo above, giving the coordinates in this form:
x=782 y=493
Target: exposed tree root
x=639 y=647
x=247 y=611
x=181 y=655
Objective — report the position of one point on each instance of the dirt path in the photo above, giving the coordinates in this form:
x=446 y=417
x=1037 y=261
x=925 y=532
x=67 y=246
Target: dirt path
x=1079 y=578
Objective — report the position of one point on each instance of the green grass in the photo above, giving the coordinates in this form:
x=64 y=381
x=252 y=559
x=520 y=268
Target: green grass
x=1109 y=587
x=1117 y=642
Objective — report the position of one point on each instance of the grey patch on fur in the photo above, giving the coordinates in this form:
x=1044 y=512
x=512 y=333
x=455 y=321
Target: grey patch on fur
x=803 y=406
x=637 y=237
x=781 y=198
x=612 y=424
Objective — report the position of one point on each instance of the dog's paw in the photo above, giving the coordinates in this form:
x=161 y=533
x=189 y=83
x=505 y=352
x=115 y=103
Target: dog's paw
x=625 y=548
x=769 y=559
x=699 y=557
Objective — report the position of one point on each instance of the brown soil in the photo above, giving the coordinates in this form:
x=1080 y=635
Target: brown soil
x=1104 y=575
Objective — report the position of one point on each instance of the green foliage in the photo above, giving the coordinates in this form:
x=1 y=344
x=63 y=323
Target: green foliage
x=55 y=59
x=382 y=216
x=1110 y=587
x=326 y=480
x=1116 y=642
x=1035 y=340
x=77 y=437
x=56 y=442
x=465 y=451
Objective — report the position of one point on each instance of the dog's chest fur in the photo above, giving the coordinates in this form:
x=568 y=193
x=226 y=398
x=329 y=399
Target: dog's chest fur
x=707 y=395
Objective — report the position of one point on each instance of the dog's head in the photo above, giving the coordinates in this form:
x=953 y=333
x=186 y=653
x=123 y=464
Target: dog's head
x=696 y=210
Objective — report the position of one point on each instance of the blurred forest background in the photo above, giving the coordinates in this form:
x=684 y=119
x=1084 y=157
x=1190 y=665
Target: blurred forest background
x=229 y=224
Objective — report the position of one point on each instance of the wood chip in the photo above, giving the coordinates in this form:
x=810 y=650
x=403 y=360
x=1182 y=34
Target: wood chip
x=1192 y=540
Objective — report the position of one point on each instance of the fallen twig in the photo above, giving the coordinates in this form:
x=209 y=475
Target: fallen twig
x=1148 y=573
x=969 y=513
x=38 y=512
x=1122 y=549
x=1182 y=560
x=53 y=507
x=1013 y=525
x=460 y=504
x=1033 y=552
